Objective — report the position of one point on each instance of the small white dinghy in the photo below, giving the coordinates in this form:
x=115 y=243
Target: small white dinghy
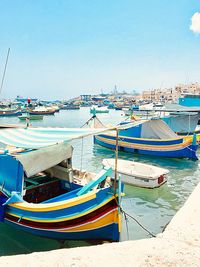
x=138 y=174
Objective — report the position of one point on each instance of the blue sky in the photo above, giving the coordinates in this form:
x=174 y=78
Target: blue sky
x=63 y=48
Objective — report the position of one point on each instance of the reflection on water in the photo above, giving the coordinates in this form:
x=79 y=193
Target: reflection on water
x=153 y=208
x=18 y=242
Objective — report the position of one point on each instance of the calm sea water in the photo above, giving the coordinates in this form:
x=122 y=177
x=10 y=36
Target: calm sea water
x=153 y=208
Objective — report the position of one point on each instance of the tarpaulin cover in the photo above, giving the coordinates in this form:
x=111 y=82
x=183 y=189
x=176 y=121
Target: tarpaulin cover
x=44 y=158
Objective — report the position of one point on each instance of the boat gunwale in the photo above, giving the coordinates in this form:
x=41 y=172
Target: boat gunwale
x=64 y=218
x=54 y=205
x=185 y=138
x=178 y=146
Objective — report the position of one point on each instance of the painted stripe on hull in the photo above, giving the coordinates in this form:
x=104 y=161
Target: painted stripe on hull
x=101 y=221
x=67 y=223
x=109 y=232
x=90 y=227
x=70 y=213
x=185 y=151
x=146 y=141
x=136 y=145
x=55 y=205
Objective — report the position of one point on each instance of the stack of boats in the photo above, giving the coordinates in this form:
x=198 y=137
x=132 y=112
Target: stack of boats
x=38 y=110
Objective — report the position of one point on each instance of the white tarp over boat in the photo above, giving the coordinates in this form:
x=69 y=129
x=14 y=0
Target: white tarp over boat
x=44 y=158
x=35 y=138
x=157 y=129
x=182 y=122
x=150 y=129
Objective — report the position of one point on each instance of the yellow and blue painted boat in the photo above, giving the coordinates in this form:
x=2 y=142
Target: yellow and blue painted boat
x=150 y=137
x=43 y=195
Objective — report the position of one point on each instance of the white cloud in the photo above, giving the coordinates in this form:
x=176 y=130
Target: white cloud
x=195 y=26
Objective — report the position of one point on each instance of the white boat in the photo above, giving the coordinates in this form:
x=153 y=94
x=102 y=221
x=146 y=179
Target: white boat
x=138 y=174
x=99 y=110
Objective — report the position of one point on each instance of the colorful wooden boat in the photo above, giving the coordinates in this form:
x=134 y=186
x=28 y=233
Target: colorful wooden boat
x=150 y=137
x=43 y=195
x=138 y=174
x=10 y=112
x=26 y=116
x=41 y=111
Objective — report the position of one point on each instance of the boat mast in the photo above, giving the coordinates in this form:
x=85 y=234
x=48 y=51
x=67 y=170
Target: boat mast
x=4 y=72
x=116 y=159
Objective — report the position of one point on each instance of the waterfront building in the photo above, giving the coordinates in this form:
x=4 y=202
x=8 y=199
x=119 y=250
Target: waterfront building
x=193 y=88
x=171 y=94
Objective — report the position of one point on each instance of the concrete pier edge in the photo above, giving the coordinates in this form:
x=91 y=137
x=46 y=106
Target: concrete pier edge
x=178 y=245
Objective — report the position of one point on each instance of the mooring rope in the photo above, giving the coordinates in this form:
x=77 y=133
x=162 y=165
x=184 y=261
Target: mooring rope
x=142 y=226
x=128 y=215
x=126 y=220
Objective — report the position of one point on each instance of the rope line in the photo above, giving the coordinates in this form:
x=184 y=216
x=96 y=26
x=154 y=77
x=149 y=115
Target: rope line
x=142 y=226
x=126 y=219
x=128 y=215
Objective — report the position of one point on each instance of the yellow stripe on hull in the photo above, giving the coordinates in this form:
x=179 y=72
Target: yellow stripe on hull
x=145 y=147
x=55 y=205
x=190 y=137
x=98 y=223
x=62 y=219
x=145 y=139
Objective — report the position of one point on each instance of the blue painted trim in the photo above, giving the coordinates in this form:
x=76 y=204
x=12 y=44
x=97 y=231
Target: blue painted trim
x=144 y=141
x=98 y=179
x=187 y=152
x=101 y=197
x=109 y=232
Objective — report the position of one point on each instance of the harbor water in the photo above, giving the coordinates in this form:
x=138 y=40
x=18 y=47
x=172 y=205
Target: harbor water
x=153 y=208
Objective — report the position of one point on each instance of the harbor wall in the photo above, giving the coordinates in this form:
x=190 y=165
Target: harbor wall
x=178 y=245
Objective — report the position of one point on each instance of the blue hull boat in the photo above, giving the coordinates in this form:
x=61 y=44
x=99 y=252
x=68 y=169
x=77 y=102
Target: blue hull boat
x=150 y=138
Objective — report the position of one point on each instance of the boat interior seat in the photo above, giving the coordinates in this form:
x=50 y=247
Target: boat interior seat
x=36 y=180
x=30 y=181
x=42 y=187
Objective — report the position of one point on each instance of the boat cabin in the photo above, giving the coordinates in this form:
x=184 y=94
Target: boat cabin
x=42 y=174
